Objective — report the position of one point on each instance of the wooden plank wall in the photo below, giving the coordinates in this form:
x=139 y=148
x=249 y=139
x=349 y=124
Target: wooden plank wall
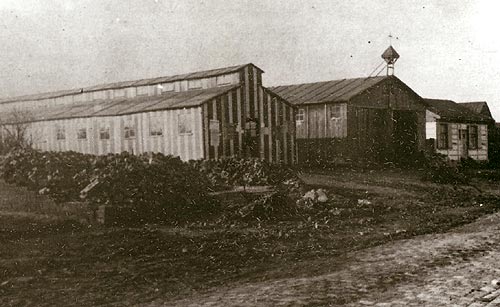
x=225 y=118
x=318 y=122
x=187 y=146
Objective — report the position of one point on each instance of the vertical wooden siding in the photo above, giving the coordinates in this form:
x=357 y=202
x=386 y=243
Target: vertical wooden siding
x=318 y=122
x=187 y=146
x=276 y=138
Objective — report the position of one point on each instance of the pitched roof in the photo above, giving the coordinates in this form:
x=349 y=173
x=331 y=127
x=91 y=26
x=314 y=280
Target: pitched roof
x=142 y=82
x=124 y=106
x=449 y=110
x=327 y=91
x=480 y=107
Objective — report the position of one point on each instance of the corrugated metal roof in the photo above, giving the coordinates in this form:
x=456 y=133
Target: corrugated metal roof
x=142 y=82
x=327 y=91
x=480 y=107
x=122 y=106
x=449 y=110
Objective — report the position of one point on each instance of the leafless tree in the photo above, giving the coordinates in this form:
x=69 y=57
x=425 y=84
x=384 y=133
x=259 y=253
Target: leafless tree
x=14 y=129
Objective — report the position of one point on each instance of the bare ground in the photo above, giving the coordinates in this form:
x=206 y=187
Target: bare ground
x=409 y=246
x=446 y=269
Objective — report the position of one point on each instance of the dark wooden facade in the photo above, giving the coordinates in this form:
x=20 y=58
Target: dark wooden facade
x=250 y=121
x=376 y=119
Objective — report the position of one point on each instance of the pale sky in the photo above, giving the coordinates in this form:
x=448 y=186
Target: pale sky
x=449 y=49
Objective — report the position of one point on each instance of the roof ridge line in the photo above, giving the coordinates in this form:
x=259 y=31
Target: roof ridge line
x=324 y=81
x=95 y=87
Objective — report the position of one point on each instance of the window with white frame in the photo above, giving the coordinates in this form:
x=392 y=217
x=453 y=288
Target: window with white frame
x=60 y=133
x=104 y=133
x=129 y=128
x=81 y=134
x=194 y=84
x=185 y=123
x=335 y=112
x=155 y=126
x=129 y=132
x=473 y=137
x=442 y=141
x=300 y=116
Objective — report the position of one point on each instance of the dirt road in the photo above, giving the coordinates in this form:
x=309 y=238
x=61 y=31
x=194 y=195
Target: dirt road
x=450 y=269
x=342 y=253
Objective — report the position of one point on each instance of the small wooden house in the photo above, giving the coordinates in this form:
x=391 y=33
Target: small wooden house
x=481 y=107
x=456 y=131
x=373 y=118
x=202 y=115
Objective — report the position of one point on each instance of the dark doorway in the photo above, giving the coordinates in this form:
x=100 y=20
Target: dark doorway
x=372 y=132
x=405 y=136
x=251 y=138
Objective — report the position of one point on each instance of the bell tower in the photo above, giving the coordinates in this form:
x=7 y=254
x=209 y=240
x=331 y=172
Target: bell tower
x=390 y=57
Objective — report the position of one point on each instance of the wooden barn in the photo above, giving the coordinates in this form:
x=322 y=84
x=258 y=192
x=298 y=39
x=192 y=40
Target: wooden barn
x=202 y=115
x=374 y=118
x=457 y=131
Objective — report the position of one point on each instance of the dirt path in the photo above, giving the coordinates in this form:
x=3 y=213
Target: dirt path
x=450 y=269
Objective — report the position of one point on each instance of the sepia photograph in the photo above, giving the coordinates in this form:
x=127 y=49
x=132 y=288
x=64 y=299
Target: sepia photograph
x=249 y=153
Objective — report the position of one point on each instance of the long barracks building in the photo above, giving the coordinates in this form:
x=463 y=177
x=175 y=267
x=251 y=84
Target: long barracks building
x=202 y=115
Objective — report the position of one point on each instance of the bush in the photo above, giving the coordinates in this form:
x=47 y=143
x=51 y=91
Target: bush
x=157 y=184
x=438 y=169
x=229 y=172
x=156 y=181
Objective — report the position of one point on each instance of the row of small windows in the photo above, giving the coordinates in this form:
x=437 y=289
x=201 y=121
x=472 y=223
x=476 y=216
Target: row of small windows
x=129 y=131
x=145 y=90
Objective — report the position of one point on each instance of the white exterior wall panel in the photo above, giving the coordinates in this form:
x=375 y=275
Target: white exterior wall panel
x=188 y=146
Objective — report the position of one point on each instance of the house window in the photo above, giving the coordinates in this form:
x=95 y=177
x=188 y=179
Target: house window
x=443 y=136
x=155 y=127
x=473 y=137
x=194 y=84
x=129 y=132
x=81 y=134
x=60 y=133
x=104 y=133
x=129 y=127
x=335 y=112
x=184 y=124
x=300 y=116
x=224 y=80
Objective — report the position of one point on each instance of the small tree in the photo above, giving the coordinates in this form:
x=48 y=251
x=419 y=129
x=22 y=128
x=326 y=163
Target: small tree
x=13 y=130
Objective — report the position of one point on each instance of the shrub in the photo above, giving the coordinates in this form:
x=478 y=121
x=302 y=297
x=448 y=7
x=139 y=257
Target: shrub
x=438 y=169
x=230 y=172
x=118 y=179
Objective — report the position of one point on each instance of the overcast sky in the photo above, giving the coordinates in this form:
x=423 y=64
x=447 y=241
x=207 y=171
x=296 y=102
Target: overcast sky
x=449 y=49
